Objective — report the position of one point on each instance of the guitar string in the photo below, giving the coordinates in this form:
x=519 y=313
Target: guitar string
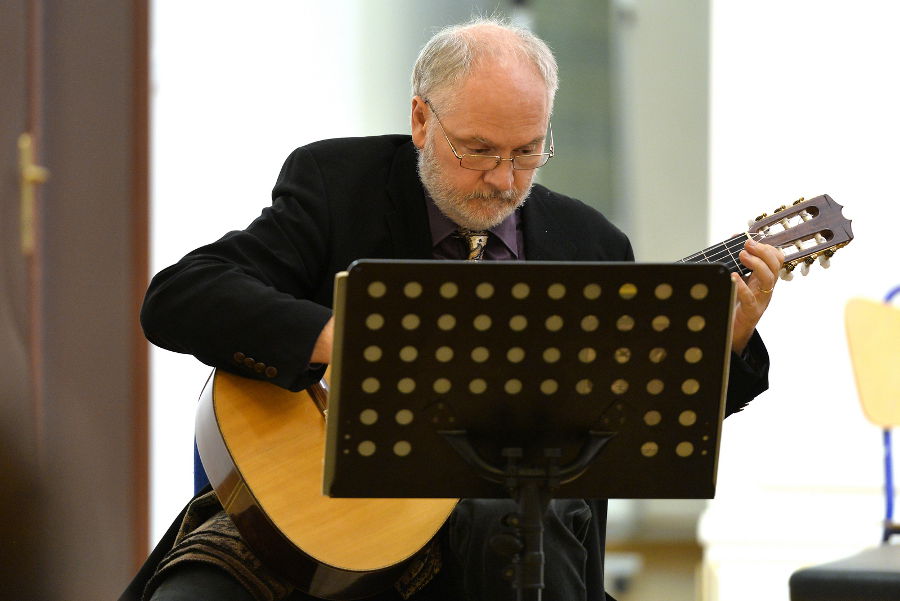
x=730 y=246
x=735 y=242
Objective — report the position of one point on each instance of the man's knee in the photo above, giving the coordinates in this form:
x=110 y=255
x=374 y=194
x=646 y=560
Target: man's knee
x=195 y=581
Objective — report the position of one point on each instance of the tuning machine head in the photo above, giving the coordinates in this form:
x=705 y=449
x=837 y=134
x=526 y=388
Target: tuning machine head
x=787 y=272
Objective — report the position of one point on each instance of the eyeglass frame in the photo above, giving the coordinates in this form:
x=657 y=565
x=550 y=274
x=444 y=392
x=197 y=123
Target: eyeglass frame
x=498 y=158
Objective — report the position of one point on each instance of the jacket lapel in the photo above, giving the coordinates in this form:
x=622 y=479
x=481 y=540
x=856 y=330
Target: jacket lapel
x=408 y=222
x=544 y=238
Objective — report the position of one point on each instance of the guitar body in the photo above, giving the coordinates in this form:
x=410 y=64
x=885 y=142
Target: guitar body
x=263 y=448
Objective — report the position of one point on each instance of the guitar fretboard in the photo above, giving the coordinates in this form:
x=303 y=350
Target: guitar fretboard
x=724 y=252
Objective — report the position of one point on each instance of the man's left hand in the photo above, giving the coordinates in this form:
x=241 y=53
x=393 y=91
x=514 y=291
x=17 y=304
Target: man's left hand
x=754 y=294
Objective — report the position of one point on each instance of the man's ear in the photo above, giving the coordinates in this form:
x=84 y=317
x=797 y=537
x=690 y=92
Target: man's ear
x=418 y=121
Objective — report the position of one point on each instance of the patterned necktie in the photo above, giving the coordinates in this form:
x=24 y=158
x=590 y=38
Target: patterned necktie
x=476 y=241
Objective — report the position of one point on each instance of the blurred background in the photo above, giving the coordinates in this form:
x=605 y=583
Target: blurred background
x=163 y=124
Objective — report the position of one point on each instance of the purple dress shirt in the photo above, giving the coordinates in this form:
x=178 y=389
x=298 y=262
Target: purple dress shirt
x=505 y=241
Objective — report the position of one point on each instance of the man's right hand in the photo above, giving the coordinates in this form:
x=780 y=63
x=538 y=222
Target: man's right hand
x=322 y=350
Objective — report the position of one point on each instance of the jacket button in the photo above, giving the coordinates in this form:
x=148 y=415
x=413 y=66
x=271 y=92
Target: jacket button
x=249 y=362
x=259 y=367
x=271 y=372
x=238 y=357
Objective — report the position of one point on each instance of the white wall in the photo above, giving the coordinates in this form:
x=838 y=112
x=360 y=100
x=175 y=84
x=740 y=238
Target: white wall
x=662 y=66
x=236 y=87
x=804 y=101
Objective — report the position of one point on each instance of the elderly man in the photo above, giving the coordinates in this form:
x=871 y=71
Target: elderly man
x=482 y=100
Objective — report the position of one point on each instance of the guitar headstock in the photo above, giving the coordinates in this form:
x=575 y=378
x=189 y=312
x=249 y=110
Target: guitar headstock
x=805 y=231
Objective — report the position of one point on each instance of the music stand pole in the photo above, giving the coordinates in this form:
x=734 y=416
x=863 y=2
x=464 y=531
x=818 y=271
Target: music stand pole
x=532 y=488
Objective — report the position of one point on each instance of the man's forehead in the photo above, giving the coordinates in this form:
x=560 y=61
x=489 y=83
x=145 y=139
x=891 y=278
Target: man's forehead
x=494 y=122
x=502 y=130
x=521 y=89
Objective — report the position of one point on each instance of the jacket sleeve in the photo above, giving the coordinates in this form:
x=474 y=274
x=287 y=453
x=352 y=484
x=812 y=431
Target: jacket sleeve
x=748 y=375
x=244 y=303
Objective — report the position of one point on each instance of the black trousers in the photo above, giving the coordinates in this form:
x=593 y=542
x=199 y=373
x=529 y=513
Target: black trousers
x=472 y=569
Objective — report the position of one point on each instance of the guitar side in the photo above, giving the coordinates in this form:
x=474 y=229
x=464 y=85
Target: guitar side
x=262 y=448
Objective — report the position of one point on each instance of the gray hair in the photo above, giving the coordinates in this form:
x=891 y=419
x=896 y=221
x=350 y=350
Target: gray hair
x=449 y=56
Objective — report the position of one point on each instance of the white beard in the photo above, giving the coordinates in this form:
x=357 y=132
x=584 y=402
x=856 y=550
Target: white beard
x=473 y=210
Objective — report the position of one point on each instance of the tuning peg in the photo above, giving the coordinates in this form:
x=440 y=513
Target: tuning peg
x=807 y=262
x=786 y=274
x=825 y=261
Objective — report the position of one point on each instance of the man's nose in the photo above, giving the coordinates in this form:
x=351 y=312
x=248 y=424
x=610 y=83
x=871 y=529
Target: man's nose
x=501 y=177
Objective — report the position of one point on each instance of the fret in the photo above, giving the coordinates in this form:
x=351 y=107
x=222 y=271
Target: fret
x=723 y=252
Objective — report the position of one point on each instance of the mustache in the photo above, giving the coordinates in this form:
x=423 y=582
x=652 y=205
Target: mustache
x=504 y=195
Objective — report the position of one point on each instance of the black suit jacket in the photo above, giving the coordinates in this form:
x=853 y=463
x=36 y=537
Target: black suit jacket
x=255 y=301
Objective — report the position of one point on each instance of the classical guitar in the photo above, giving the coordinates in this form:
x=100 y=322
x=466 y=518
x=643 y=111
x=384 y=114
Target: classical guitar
x=263 y=447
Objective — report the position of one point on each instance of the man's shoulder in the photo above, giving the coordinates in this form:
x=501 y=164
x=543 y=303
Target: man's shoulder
x=564 y=207
x=387 y=144
x=345 y=160
x=567 y=218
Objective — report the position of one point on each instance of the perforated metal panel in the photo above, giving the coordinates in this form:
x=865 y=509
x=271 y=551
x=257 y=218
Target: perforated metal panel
x=530 y=355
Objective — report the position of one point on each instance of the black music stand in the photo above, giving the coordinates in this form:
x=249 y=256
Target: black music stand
x=532 y=380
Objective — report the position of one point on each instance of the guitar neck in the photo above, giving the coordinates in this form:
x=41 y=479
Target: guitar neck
x=724 y=252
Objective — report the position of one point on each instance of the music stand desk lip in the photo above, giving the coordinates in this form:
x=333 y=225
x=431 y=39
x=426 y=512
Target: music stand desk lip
x=363 y=263
x=533 y=355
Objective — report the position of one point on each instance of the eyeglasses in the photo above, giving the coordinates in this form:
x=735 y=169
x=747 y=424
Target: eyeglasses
x=482 y=162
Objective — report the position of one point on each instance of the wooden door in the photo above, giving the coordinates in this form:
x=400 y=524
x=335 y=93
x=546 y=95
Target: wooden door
x=20 y=504
x=73 y=265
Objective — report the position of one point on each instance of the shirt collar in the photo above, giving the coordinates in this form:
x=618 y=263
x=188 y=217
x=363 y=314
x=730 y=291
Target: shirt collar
x=442 y=227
